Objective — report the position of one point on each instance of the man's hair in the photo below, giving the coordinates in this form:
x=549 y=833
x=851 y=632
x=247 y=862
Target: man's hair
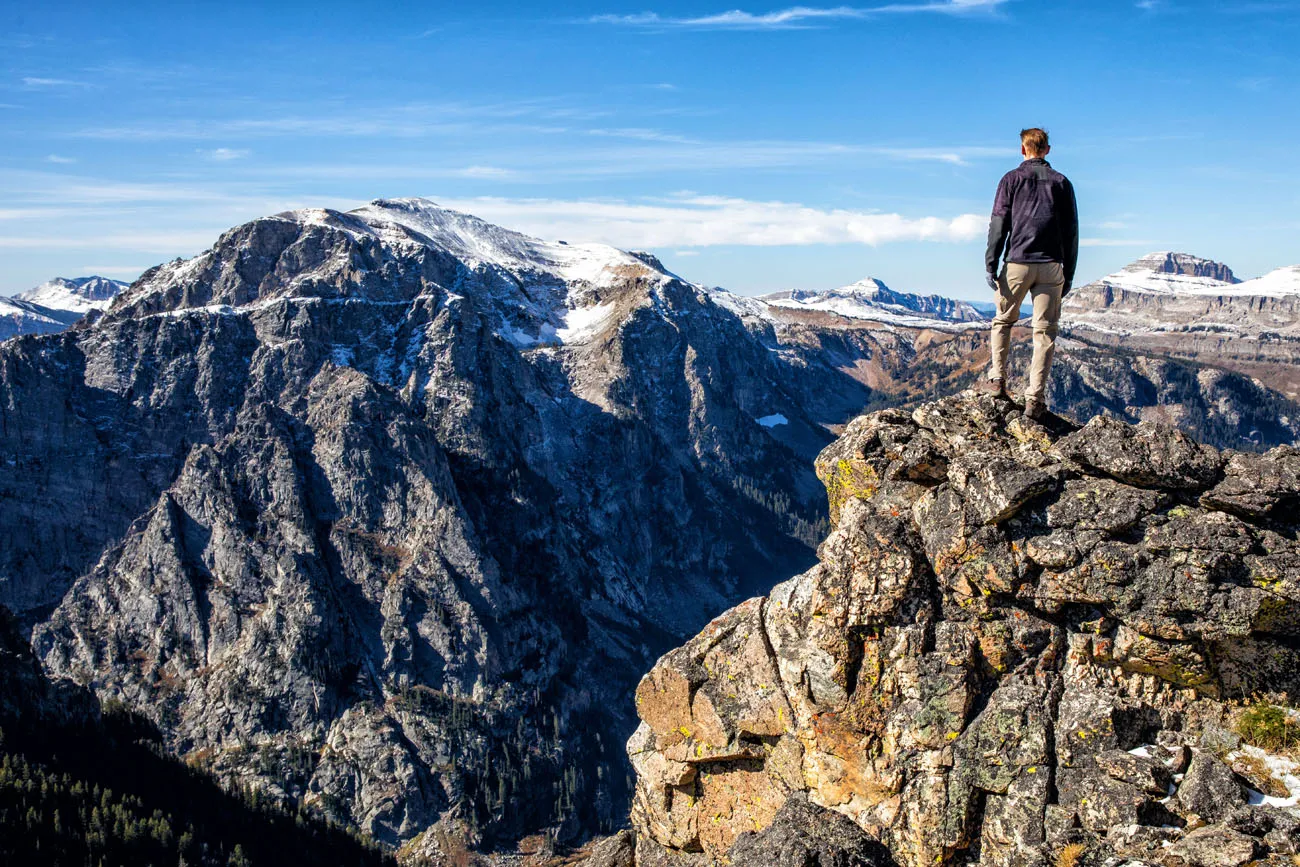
x=1034 y=141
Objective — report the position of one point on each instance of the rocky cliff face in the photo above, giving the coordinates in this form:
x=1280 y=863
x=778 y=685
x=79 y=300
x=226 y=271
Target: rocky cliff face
x=1018 y=637
x=385 y=512
x=1183 y=264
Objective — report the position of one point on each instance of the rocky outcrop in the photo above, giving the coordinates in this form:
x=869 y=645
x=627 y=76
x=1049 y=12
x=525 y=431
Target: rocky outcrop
x=1184 y=264
x=1014 y=640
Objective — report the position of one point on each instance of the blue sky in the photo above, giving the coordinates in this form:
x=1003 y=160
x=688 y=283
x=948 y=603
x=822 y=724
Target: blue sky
x=755 y=146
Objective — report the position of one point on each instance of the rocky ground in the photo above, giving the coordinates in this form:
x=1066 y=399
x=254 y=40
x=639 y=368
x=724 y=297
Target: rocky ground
x=1024 y=644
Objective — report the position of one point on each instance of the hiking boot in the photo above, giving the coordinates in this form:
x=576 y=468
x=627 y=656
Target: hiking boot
x=995 y=387
x=1035 y=409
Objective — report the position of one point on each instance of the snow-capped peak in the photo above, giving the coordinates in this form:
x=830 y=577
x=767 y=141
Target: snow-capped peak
x=871 y=299
x=1184 y=264
x=77 y=295
x=477 y=241
x=1184 y=274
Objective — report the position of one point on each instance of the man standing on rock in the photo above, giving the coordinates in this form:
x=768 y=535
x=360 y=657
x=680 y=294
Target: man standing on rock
x=1036 y=222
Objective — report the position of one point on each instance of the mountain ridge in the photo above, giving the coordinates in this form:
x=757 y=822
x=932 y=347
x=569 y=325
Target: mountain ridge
x=363 y=534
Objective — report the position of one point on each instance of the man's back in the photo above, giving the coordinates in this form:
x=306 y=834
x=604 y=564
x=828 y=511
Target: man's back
x=1034 y=218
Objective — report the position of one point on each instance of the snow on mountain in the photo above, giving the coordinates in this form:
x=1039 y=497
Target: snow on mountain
x=1179 y=274
x=1281 y=283
x=552 y=291
x=1189 y=306
x=871 y=299
x=18 y=317
x=76 y=295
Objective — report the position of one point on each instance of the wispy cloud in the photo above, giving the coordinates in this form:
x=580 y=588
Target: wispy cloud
x=688 y=222
x=413 y=120
x=485 y=172
x=1257 y=84
x=1117 y=242
x=55 y=158
x=112 y=270
x=793 y=18
x=37 y=83
x=225 y=155
x=163 y=243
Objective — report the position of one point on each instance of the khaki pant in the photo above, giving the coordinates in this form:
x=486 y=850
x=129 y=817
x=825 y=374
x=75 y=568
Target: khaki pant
x=1045 y=283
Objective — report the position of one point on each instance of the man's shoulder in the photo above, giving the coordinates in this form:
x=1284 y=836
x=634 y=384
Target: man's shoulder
x=1014 y=174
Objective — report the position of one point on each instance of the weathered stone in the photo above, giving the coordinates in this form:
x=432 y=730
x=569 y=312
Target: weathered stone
x=805 y=835
x=616 y=851
x=1142 y=842
x=1209 y=791
x=1147 y=455
x=1148 y=775
x=1257 y=486
x=1102 y=504
x=1213 y=846
x=996 y=486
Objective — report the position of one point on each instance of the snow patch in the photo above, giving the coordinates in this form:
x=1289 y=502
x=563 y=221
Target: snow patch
x=773 y=420
x=584 y=323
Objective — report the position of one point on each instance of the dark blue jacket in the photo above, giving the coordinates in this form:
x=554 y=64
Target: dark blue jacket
x=1035 y=219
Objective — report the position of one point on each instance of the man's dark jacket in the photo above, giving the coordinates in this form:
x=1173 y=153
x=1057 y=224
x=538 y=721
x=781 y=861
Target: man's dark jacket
x=1035 y=211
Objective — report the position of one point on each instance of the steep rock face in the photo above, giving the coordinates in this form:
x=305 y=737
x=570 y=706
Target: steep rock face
x=384 y=512
x=1013 y=637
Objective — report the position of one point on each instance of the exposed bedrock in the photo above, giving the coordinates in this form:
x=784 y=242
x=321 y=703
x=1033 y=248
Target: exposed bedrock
x=1015 y=639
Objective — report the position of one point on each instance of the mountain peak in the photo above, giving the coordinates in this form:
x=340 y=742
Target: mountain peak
x=866 y=286
x=74 y=294
x=869 y=298
x=1168 y=262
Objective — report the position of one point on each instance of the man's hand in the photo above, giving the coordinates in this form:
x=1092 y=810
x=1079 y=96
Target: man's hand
x=992 y=280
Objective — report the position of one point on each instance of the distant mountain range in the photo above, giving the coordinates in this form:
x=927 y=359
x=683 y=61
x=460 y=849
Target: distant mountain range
x=55 y=305
x=1187 y=307
x=871 y=299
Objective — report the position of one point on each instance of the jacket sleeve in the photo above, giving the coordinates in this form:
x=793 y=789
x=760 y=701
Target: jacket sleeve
x=1070 y=231
x=999 y=227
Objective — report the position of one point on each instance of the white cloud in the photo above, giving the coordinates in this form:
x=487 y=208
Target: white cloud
x=33 y=81
x=55 y=158
x=793 y=18
x=706 y=221
x=225 y=155
x=686 y=253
